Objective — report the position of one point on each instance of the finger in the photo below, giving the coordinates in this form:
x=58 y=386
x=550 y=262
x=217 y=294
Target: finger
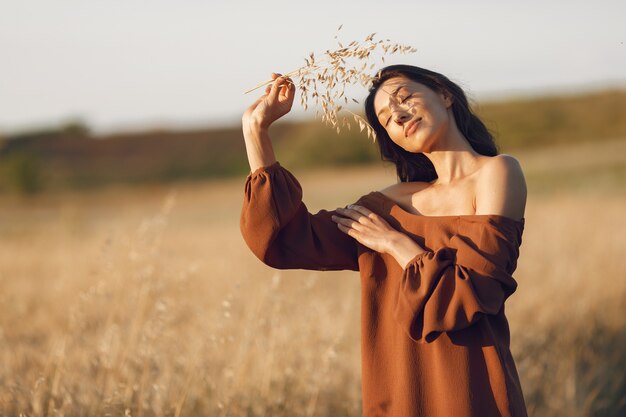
x=353 y=214
x=363 y=210
x=288 y=95
x=346 y=222
x=288 y=82
x=284 y=89
x=277 y=87
x=350 y=232
x=275 y=90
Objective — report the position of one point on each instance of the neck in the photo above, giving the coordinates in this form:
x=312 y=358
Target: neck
x=453 y=157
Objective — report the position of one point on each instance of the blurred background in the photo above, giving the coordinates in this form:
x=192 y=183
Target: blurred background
x=125 y=286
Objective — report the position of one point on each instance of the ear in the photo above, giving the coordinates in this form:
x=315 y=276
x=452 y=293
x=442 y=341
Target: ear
x=447 y=98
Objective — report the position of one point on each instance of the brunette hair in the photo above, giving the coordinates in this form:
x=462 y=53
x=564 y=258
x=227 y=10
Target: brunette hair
x=416 y=166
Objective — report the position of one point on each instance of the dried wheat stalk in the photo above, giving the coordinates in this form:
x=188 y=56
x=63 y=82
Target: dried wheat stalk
x=325 y=80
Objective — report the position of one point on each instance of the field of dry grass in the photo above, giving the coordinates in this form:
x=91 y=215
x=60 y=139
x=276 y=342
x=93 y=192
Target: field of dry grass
x=144 y=301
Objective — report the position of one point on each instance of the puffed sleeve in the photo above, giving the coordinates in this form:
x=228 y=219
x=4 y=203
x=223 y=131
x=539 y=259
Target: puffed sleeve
x=454 y=286
x=280 y=231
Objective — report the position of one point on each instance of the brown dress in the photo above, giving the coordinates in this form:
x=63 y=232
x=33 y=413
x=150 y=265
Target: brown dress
x=434 y=337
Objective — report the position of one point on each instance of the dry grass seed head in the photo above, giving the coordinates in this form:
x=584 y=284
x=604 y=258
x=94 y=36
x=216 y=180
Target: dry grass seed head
x=326 y=79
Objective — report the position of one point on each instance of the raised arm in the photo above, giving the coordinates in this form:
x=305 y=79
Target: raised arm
x=275 y=103
x=280 y=231
x=274 y=222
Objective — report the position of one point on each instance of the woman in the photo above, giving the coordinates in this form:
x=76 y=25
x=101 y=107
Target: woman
x=435 y=251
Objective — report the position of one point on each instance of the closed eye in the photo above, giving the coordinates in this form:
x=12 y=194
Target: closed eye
x=401 y=102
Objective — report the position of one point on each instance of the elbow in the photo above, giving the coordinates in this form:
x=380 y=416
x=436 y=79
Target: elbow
x=257 y=235
x=262 y=249
x=272 y=260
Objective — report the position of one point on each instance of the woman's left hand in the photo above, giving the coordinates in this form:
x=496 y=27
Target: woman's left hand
x=373 y=231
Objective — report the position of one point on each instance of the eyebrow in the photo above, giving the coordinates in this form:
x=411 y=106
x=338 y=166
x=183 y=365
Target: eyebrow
x=392 y=94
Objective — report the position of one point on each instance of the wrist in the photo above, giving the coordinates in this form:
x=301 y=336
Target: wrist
x=403 y=249
x=253 y=126
x=258 y=146
x=255 y=133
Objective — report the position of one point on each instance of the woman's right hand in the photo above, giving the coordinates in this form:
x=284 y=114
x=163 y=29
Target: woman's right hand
x=275 y=103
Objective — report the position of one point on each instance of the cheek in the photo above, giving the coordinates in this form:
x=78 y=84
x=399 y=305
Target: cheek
x=441 y=115
x=396 y=134
x=397 y=140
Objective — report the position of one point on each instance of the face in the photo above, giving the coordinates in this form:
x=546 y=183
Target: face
x=414 y=116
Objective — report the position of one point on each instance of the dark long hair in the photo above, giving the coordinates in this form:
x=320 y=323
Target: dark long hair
x=416 y=166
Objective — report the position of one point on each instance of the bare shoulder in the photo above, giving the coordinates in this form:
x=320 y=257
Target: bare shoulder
x=503 y=165
x=401 y=189
x=392 y=190
x=501 y=187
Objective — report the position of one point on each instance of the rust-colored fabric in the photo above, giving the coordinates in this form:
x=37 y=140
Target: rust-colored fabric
x=434 y=336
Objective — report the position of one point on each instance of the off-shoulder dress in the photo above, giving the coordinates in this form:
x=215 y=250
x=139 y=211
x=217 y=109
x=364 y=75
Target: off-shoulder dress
x=434 y=336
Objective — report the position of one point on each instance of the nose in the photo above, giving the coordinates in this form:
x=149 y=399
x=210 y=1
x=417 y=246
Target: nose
x=400 y=116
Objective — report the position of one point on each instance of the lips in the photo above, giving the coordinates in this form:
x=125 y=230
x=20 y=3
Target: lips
x=411 y=127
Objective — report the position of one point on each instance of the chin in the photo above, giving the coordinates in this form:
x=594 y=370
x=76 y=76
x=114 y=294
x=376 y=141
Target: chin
x=413 y=145
x=416 y=150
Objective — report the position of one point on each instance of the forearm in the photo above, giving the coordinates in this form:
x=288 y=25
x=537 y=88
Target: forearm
x=258 y=147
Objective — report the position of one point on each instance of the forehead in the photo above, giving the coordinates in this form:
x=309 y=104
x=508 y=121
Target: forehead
x=393 y=84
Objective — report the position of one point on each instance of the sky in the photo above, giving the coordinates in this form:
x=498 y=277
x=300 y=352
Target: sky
x=147 y=64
